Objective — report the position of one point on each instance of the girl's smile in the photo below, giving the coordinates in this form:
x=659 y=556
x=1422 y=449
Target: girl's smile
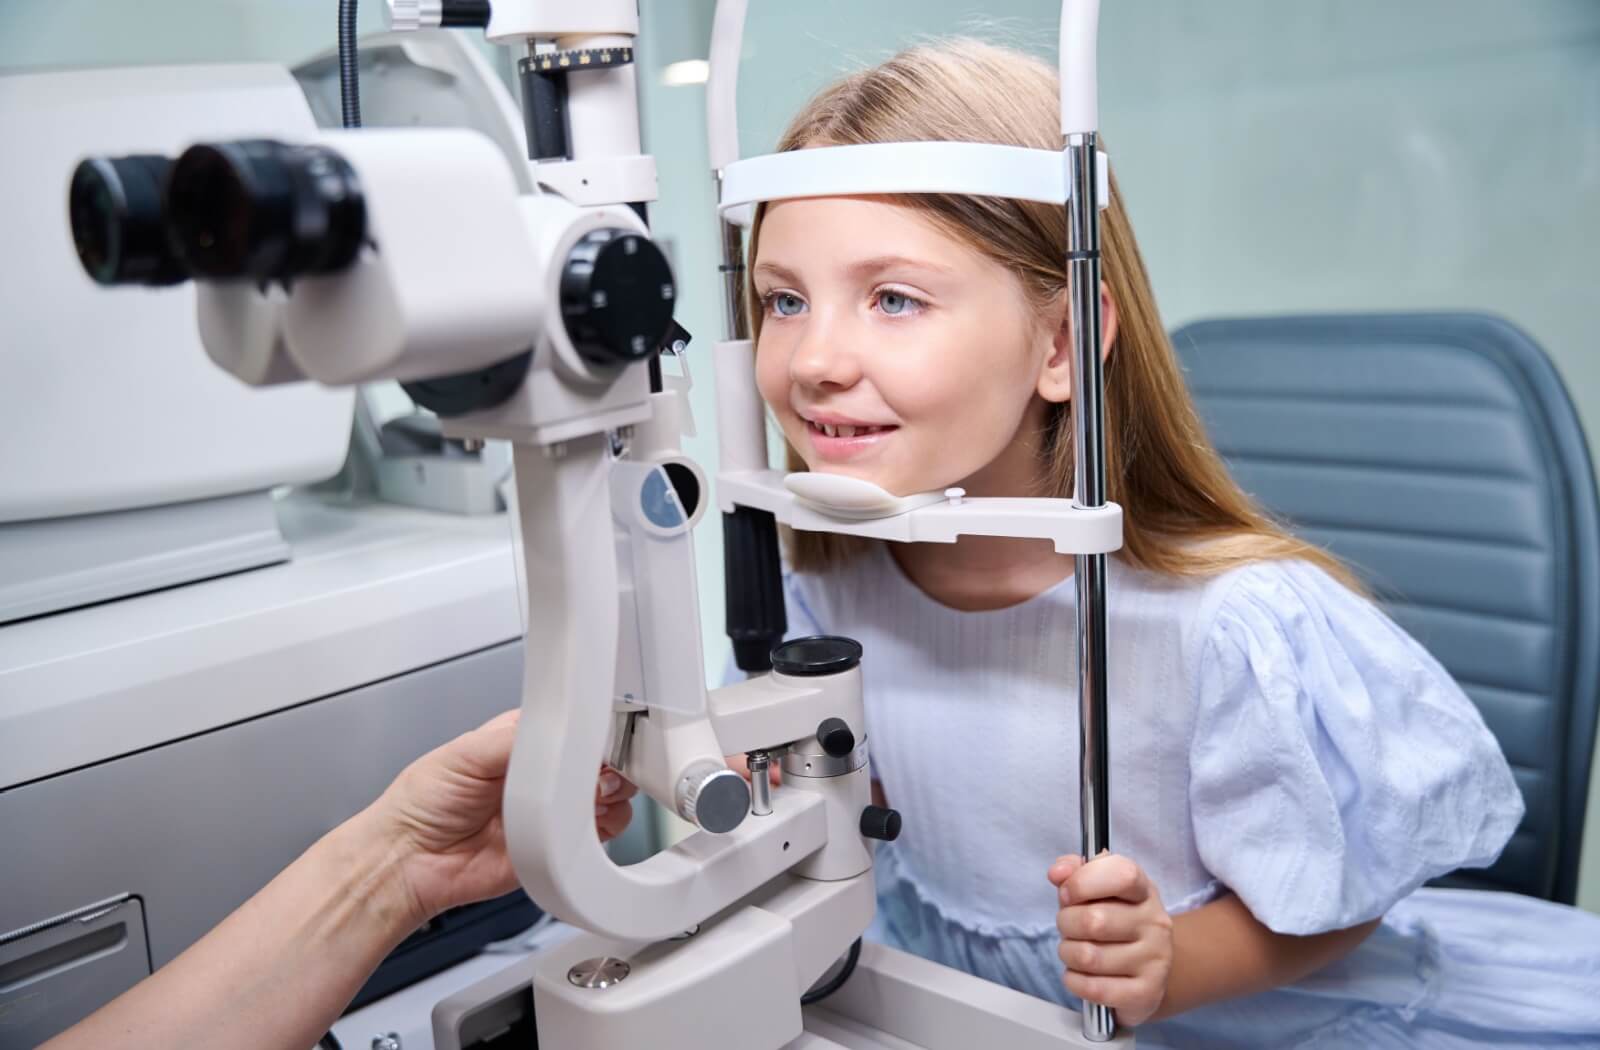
x=840 y=439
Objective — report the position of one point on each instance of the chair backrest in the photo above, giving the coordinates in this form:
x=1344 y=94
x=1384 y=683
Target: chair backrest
x=1440 y=456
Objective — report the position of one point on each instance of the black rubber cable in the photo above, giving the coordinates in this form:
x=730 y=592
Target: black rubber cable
x=816 y=995
x=349 y=81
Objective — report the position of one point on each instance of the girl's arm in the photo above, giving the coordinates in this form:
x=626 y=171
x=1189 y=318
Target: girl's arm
x=1221 y=951
x=1121 y=948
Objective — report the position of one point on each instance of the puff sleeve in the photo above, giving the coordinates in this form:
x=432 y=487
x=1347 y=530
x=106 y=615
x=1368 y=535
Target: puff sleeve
x=1335 y=766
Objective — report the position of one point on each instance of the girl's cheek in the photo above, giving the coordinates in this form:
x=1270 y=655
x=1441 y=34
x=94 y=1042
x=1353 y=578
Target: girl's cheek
x=770 y=379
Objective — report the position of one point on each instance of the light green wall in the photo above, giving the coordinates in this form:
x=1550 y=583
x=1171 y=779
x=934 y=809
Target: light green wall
x=45 y=33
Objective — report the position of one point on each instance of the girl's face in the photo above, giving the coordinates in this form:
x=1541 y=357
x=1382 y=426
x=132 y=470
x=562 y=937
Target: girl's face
x=892 y=352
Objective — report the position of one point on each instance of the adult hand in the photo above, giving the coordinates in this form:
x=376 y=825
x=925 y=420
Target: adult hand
x=740 y=764
x=443 y=814
x=280 y=969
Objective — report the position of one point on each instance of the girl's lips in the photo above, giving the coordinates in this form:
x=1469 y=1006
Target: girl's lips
x=839 y=449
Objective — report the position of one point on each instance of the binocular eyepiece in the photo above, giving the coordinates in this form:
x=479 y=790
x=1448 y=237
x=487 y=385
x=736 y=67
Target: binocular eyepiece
x=254 y=210
x=116 y=213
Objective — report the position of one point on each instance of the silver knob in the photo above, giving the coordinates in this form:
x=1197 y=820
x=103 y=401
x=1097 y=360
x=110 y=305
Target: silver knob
x=713 y=797
x=389 y=1041
x=410 y=15
x=600 y=972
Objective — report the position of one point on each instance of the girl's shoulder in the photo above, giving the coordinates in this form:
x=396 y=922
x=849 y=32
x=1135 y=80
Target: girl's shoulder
x=1289 y=598
x=1297 y=606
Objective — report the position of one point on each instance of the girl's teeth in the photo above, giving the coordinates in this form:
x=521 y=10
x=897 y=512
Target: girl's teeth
x=844 y=431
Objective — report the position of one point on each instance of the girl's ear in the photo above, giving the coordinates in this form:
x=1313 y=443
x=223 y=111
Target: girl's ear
x=1055 y=378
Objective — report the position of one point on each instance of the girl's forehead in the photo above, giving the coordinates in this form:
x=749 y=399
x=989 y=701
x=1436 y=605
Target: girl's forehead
x=879 y=210
x=843 y=231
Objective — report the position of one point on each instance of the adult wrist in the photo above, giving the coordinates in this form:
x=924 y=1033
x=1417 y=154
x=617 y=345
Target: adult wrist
x=380 y=859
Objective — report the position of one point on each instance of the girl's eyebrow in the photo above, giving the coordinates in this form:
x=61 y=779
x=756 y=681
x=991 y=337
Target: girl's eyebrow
x=860 y=268
x=879 y=263
x=777 y=271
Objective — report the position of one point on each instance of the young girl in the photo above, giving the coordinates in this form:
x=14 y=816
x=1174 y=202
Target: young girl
x=1288 y=767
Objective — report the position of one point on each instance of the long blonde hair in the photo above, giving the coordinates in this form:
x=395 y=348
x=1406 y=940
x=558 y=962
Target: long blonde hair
x=1183 y=513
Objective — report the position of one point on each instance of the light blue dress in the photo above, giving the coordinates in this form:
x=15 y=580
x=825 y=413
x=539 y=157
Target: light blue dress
x=1272 y=735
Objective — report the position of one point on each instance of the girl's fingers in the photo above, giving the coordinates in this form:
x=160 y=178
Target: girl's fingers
x=1126 y=995
x=1104 y=960
x=1104 y=922
x=1108 y=876
x=1063 y=868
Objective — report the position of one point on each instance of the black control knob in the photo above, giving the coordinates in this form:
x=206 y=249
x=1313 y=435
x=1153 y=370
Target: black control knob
x=818 y=655
x=835 y=737
x=880 y=823
x=617 y=296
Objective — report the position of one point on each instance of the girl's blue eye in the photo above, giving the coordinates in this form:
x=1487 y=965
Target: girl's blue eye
x=893 y=303
x=786 y=304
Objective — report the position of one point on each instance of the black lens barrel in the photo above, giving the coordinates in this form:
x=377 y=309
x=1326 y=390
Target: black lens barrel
x=265 y=211
x=253 y=210
x=114 y=205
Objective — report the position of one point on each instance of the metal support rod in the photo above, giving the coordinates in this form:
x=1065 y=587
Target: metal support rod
x=760 y=783
x=735 y=324
x=1089 y=490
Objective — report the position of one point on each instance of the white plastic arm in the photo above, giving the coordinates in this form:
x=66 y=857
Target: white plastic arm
x=564 y=511
x=1080 y=103
x=722 y=80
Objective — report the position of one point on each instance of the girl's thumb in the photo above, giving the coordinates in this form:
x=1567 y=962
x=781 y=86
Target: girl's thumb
x=1063 y=868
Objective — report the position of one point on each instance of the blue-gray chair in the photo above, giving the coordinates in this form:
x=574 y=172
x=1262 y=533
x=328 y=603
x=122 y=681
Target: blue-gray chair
x=1440 y=456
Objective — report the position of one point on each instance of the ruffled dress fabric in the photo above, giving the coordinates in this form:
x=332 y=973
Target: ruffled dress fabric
x=1273 y=735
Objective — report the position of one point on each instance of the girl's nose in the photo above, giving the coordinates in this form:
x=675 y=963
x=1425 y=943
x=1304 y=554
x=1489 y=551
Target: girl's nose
x=824 y=359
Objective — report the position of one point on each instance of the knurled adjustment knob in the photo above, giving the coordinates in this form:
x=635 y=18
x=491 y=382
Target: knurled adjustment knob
x=835 y=737
x=713 y=797
x=878 y=822
x=617 y=296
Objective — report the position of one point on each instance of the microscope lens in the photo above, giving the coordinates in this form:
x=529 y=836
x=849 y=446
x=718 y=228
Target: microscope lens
x=265 y=211
x=118 y=226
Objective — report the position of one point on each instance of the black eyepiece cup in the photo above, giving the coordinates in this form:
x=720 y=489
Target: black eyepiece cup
x=265 y=211
x=114 y=205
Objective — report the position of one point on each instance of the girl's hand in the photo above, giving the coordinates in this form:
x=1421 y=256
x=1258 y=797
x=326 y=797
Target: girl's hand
x=1116 y=938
